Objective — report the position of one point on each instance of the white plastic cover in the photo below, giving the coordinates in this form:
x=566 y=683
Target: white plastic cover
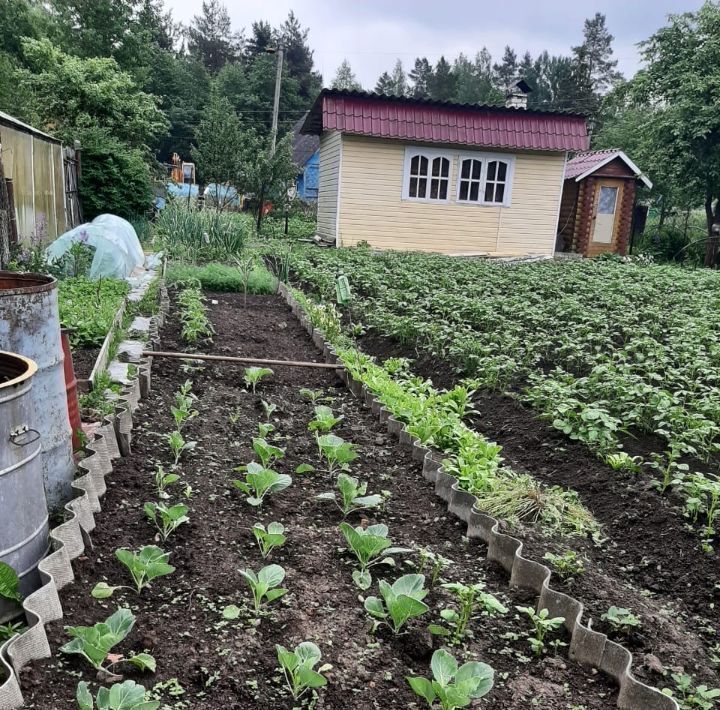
x=117 y=248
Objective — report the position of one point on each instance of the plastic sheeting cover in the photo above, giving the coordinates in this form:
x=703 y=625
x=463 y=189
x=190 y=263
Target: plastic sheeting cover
x=117 y=248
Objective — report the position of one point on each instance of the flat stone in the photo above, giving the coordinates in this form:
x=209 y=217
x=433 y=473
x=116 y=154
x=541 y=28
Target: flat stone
x=118 y=372
x=130 y=351
x=139 y=326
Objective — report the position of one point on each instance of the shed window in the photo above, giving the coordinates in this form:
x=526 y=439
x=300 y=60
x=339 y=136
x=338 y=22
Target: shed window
x=470 y=180
x=485 y=179
x=495 y=181
x=428 y=176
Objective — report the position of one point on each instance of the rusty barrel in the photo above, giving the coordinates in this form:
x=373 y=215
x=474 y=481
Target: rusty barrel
x=23 y=510
x=30 y=326
x=71 y=390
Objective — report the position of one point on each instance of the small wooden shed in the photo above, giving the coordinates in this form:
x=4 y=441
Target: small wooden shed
x=597 y=202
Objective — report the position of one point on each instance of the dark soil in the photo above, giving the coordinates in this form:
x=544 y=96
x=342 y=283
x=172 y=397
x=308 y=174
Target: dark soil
x=232 y=664
x=84 y=361
x=649 y=561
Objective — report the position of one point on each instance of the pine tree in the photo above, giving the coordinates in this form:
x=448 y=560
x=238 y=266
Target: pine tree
x=594 y=55
x=299 y=57
x=421 y=76
x=506 y=70
x=211 y=38
x=399 y=80
x=345 y=78
x=261 y=39
x=384 y=84
x=442 y=84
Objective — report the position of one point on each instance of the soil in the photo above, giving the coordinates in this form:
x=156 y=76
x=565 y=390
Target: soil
x=649 y=561
x=232 y=664
x=84 y=361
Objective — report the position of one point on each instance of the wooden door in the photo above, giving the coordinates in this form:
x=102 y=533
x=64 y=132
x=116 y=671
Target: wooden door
x=608 y=198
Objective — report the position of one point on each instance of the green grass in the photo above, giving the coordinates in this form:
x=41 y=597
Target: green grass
x=221 y=277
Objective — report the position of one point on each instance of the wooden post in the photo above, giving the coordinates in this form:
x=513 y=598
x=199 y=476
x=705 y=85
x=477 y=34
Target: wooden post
x=5 y=217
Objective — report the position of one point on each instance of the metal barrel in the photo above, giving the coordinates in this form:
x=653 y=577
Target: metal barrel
x=23 y=510
x=71 y=390
x=30 y=326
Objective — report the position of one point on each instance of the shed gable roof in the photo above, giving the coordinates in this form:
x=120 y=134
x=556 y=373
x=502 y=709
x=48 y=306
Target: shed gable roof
x=402 y=118
x=584 y=164
x=305 y=145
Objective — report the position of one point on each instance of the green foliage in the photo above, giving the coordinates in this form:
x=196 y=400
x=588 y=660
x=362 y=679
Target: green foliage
x=337 y=452
x=434 y=562
x=9 y=583
x=269 y=538
x=127 y=695
x=89 y=308
x=324 y=419
x=178 y=445
x=401 y=601
x=253 y=375
x=7 y=631
x=193 y=314
x=568 y=565
x=166 y=519
x=622 y=620
x=352 y=495
x=691 y=697
x=260 y=482
x=298 y=667
x=266 y=452
x=220 y=277
x=543 y=624
x=265 y=585
x=95 y=642
x=149 y=563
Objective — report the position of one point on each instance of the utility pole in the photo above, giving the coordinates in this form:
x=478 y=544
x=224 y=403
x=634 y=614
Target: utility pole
x=276 y=102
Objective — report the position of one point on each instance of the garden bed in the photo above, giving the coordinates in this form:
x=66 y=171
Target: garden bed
x=221 y=663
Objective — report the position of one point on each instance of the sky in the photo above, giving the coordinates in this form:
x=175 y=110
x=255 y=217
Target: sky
x=372 y=35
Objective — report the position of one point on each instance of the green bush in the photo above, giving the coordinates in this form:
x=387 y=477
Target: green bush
x=220 y=277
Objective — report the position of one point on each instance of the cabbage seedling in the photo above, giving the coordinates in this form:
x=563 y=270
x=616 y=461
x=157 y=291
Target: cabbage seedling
x=367 y=544
x=352 y=495
x=260 y=481
x=298 y=667
x=543 y=626
x=269 y=538
x=401 y=601
x=337 y=452
x=264 y=428
x=121 y=696
x=268 y=408
x=622 y=620
x=253 y=375
x=264 y=585
x=267 y=453
x=453 y=687
x=165 y=519
x=312 y=395
x=178 y=445
x=95 y=642
x=439 y=563
x=145 y=565
x=163 y=480
x=324 y=419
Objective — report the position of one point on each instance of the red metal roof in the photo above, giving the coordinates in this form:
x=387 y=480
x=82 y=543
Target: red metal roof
x=583 y=162
x=439 y=122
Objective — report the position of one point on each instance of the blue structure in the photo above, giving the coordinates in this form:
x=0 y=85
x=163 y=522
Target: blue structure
x=306 y=156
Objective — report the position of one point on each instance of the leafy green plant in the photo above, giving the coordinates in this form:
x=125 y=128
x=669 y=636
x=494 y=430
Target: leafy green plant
x=260 y=482
x=150 y=562
x=452 y=686
x=265 y=585
x=337 y=452
x=367 y=544
x=178 y=445
x=568 y=565
x=193 y=315
x=352 y=495
x=324 y=419
x=298 y=667
x=182 y=411
x=543 y=625
x=253 y=375
x=311 y=395
x=434 y=562
x=9 y=583
x=401 y=601
x=622 y=461
x=163 y=480
x=7 y=631
x=268 y=409
x=166 y=519
x=264 y=428
x=469 y=598
x=622 y=620
x=692 y=697
x=127 y=695
x=94 y=643
x=269 y=538
x=266 y=452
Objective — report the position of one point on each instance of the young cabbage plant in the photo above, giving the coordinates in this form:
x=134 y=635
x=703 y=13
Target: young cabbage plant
x=166 y=519
x=94 y=643
x=264 y=428
x=9 y=583
x=260 y=481
x=401 y=601
x=163 y=480
x=452 y=686
x=438 y=562
x=352 y=495
x=253 y=375
x=269 y=538
x=311 y=395
x=324 y=419
x=337 y=452
x=150 y=562
x=182 y=411
x=623 y=621
x=298 y=667
x=367 y=544
x=178 y=445
x=265 y=584
x=268 y=409
x=543 y=625
x=127 y=695
x=266 y=452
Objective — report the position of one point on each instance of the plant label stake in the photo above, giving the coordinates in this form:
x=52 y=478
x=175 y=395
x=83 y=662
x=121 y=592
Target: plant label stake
x=342 y=293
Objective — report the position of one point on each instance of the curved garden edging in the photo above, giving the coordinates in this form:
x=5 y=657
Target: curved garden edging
x=67 y=540
x=587 y=646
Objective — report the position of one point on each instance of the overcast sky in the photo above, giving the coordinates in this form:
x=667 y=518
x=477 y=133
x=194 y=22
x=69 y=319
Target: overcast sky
x=373 y=34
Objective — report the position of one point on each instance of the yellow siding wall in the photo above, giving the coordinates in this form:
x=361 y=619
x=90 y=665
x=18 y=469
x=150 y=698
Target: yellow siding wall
x=371 y=207
x=329 y=184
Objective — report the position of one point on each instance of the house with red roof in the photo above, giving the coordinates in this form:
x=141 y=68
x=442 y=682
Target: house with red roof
x=596 y=211
x=421 y=175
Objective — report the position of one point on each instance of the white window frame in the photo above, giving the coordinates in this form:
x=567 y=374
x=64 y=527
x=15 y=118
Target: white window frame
x=486 y=158
x=430 y=154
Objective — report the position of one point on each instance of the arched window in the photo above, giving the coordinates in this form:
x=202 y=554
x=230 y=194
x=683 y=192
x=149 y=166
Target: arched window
x=495 y=182
x=428 y=176
x=470 y=180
